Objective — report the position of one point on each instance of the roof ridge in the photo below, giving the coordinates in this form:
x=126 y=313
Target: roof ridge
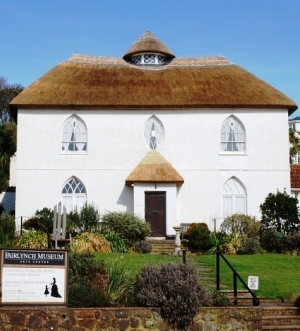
x=177 y=62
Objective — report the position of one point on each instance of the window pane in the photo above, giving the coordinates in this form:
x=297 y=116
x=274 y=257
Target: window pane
x=227 y=206
x=74 y=135
x=240 y=206
x=232 y=135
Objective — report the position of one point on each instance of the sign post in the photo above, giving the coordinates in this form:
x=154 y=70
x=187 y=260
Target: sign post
x=33 y=277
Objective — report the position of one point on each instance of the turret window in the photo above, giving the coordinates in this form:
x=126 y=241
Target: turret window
x=148 y=58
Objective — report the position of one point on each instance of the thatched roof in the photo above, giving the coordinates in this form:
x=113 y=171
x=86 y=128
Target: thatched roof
x=148 y=43
x=91 y=82
x=154 y=168
x=295 y=176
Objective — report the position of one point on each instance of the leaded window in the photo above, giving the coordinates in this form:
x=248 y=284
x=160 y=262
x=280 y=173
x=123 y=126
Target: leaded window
x=234 y=198
x=148 y=58
x=153 y=132
x=73 y=195
x=233 y=137
x=74 y=135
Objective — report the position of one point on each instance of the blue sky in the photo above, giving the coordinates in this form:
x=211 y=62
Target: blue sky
x=263 y=36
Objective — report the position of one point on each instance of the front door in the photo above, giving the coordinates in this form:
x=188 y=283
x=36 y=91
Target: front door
x=155 y=212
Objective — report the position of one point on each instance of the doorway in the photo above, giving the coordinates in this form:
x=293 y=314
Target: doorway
x=155 y=212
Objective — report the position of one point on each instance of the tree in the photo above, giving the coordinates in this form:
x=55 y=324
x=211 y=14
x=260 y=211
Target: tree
x=280 y=212
x=8 y=130
x=7 y=93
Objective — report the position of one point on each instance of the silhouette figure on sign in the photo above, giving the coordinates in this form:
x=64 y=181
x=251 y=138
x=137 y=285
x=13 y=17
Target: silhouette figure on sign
x=54 y=289
x=46 y=291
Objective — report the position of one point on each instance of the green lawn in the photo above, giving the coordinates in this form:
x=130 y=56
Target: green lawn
x=279 y=274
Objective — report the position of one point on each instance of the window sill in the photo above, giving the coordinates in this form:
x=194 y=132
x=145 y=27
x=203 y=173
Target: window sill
x=233 y=154
x=73 y=153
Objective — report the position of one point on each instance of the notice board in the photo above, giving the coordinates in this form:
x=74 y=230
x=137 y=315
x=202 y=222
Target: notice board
x=33 y=277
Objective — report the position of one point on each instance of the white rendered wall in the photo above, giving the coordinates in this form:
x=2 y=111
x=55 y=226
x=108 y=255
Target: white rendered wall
x=116 y=145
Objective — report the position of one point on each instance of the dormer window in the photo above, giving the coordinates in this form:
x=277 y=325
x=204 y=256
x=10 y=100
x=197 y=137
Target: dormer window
x=149 y=59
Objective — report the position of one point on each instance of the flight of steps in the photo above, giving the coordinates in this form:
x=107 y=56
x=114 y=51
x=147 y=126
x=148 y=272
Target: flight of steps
x=162 y=246
x=280 y=318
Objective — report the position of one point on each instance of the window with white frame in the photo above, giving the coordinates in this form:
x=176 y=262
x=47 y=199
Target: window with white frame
x=148 y=59
x=74 y=135
x=233 y=137
x=153 y=132
x=234 y=198
x=73 y=195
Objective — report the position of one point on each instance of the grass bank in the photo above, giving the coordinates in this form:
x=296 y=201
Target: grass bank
x=279 y=274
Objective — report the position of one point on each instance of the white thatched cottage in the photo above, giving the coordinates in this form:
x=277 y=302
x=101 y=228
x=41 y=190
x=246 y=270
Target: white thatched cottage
x=172 y=140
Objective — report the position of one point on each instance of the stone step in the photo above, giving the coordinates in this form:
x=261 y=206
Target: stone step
x=276 y=319
x=162 y=246
x=244 y=298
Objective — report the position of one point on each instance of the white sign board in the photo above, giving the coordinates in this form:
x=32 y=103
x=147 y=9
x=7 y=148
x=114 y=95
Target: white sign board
x=34 y=277
x=253 y=282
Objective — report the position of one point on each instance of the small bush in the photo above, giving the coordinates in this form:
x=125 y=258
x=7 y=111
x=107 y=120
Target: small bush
x=250 y=246
x=233 y=244
x=199 y=236
x=33 y=239
x=82 y=296
x=143 y=247
x=41 y=221
x=274 y=241
x=219 y=299
x=293 y=242
x=90 y=242
x=117 y=243
x=130 y=227
x=7 y=229
x=87 y=281
x=175 y=288
x=120 y=283
x=89 y=216
x=243 y=225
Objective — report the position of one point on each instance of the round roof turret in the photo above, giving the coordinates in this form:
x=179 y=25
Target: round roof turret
x=148 y=43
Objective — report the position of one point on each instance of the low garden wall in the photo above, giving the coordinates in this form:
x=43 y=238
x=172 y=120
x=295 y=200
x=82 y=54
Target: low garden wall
x=123 y=319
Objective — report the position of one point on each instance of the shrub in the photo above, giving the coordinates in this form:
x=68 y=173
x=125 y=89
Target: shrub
x=90 y=242
x=274 y=241
x=250 y=246
x=87 y=220
x=87 y=281
x=129 y=226
x=219 y=299
x=117 y=243
x=280 y=212
x=80 y=295
x=7 y=229
x=143 y=247
x=74 y=224
x=233 y=244
x=245 y=226
x=41 y=221
x=89 y=216
x=175 y=288
x=293 y=242
x=199 y=236
x=33 y=239
x=120 y=283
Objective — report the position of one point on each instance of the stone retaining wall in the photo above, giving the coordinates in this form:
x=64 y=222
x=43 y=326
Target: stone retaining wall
x=127 y=319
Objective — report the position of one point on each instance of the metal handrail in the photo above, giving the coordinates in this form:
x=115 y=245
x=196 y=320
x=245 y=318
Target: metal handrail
x=236 y=276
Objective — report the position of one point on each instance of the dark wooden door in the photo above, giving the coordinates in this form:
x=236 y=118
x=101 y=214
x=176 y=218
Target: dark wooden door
x=155 y=212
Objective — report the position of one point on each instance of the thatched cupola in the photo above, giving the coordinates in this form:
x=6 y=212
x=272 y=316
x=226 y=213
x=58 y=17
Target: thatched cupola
x=148 y=50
